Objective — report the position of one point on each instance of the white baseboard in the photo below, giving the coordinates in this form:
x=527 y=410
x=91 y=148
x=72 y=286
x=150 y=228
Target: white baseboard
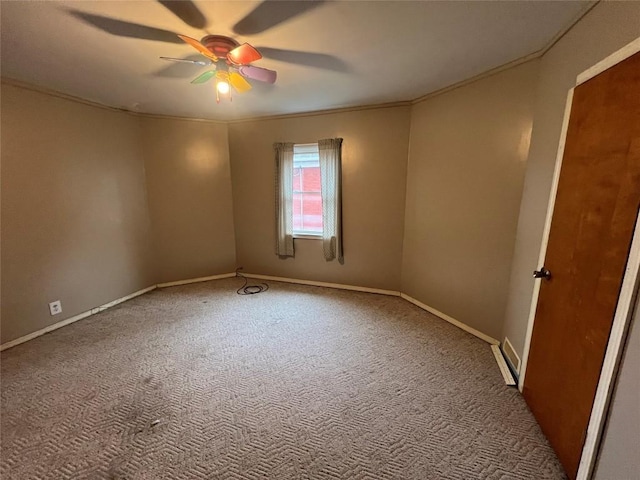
x=195 y=280
x=101 y=308
x=451 y=320
x=339 y=286
x=73 y=319
x=502 y=365
x=121 y=299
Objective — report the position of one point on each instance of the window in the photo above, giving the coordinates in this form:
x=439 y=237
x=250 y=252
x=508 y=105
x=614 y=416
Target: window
x=307 y=196
x=308 y=202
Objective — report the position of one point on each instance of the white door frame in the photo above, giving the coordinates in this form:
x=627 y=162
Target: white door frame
x=626 y=299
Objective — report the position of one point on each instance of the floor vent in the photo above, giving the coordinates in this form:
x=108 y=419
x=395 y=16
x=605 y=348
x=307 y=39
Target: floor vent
x=511 y=355
x=502 y=364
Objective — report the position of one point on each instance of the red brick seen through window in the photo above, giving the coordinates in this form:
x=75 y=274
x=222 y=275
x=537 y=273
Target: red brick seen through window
x=307 y=200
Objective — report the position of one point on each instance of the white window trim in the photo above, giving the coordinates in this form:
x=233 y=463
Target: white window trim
x=308 y=235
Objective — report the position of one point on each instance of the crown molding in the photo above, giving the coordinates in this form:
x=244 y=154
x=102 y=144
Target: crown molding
x=480 y=76
x=314 y=113
x=570 y=25
x=54 y=93
x=160 y=116
x=514 y=63
x=355 y=108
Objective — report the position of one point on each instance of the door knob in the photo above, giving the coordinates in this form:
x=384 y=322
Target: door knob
x=542 y=273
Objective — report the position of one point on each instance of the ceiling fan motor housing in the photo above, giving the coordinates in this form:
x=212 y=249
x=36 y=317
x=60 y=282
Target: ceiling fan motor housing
x=219 y=45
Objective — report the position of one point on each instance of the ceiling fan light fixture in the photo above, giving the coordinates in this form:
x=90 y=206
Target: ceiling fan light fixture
x=222 y=87
x=230 y=64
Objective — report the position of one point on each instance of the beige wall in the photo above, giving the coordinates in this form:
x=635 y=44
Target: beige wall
x=374 y=173
x=98 y=204
x=75 y=223
x=606 y=28
x=189 y=185
x=466 y=166
x=618 y=457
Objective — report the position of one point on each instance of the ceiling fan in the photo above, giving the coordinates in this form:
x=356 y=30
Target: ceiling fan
x=231 y=61
x=230 y=64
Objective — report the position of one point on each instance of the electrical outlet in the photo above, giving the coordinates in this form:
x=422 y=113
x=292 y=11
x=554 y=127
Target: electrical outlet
x=55 y=307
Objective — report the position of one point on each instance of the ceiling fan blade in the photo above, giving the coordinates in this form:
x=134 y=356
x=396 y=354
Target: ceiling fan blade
x=244 y=54
x=271 y=13
x=204 y=77
x=309 y=59
x=199 y=47
x=238 y=82
x=186 y=11
x=186 y=60
x=121 y=28
x=173 y=68
x=258 y=73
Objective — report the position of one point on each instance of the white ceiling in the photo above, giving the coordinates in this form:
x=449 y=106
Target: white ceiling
x=358 y=52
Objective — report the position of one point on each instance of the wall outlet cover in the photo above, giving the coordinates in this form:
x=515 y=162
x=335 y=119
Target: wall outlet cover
x=55 y=307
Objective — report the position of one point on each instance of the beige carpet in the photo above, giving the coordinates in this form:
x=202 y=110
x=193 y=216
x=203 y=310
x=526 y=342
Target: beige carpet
x=295 y=383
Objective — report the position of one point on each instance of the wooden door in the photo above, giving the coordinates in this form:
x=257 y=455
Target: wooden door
x=591 y=230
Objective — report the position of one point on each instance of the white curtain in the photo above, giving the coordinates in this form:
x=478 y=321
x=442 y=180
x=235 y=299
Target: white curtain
x=330 y=151
x=284 y=199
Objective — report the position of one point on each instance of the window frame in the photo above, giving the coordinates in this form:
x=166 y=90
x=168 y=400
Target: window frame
x=305 y=234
